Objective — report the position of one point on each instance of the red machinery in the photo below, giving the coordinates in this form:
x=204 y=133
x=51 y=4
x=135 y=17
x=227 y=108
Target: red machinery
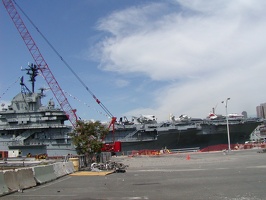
x=48 y=76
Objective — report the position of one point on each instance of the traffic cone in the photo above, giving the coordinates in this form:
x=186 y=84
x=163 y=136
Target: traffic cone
x=188 y=157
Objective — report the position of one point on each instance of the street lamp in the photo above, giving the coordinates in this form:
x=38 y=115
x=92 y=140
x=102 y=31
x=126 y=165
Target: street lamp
x=227 y=125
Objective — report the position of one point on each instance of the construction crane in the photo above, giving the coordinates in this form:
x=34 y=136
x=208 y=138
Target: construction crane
x=40 y=62
x=47 y=73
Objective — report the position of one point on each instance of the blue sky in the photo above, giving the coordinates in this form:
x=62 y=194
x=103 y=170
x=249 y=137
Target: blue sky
x=144 y=56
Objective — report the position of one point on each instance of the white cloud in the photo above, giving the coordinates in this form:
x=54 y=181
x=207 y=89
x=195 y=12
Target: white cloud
x=214 y=49
x=121 y=83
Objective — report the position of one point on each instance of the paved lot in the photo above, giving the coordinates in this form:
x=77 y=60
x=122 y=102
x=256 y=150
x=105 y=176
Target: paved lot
x=240 y=175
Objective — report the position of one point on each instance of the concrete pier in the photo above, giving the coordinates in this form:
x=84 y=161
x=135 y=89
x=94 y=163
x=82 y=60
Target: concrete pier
x=237 y=175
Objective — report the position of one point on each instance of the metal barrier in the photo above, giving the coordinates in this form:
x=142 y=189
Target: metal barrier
x=184 y=150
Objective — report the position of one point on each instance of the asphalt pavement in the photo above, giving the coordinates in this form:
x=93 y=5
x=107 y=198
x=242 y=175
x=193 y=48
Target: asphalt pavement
x=238 y=175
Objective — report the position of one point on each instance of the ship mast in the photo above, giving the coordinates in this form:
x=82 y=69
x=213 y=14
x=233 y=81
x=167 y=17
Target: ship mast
x=32 y=71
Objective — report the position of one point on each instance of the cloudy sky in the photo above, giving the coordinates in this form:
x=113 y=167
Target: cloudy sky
x=144 y=56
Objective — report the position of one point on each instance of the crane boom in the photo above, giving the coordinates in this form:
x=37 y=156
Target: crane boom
x=39 y=60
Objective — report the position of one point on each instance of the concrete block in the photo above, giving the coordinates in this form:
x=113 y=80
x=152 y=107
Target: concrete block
x=43 y=174
x=25 y=178
x=59 y=169
x=3 y=186
x=69 y=167
x=10 y=177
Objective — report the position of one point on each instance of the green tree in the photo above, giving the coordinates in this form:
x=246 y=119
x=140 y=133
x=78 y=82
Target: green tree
x=87 y=137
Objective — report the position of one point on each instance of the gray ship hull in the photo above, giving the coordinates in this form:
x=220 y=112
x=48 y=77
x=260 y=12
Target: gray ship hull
x=202 y=136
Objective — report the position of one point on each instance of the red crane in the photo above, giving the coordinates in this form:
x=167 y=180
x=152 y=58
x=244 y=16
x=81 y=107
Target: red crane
x=39 y=60
x=48 y=76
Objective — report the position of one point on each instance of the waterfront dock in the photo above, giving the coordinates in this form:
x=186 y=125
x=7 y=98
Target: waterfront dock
x=237 y=175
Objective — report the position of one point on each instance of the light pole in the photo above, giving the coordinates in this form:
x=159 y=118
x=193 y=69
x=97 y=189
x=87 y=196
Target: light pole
x=227 y=125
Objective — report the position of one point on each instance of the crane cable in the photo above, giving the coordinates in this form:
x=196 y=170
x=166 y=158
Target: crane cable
x=9 y=87
x=63 y=60
x=75 y=98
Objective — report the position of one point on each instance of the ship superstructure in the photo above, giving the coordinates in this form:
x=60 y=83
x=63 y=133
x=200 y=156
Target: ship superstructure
x=34 y=128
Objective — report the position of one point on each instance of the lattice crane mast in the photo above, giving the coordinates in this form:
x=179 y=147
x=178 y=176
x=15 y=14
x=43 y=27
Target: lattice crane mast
x=40 y=62
x=47 y=74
